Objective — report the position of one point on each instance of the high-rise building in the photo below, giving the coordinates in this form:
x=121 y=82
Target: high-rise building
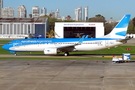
x=86 y=13
x=43 y=11
x=78 y=14
x=1 y=6
x=35 y=12
x=22 y=13
x=8 y=12
x=57 y=13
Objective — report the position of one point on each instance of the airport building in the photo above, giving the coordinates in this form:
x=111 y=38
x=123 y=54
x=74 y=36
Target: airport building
x=78 y=29
x=22 y=27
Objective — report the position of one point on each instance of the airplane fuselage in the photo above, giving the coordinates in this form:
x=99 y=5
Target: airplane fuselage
x=89 y=44
x=53 y=46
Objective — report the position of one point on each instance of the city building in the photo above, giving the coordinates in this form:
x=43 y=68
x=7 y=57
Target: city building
x=35 y=12
x=43 y=11
x=78 y=14
x=78 y=29
x=63 y=18
x=22 y=13
x=52 y=14
x=1 y=6
x=68 y=17
x=85 y=13
x=57 y=14
x=22 y=27
x=8 y=12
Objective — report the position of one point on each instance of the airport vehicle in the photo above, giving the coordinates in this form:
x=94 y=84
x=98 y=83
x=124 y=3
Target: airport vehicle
x=54 y=46
x=117 y=60
x=125 y=58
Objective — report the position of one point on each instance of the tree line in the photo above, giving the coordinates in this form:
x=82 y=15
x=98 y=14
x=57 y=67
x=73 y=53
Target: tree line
x=98 y=18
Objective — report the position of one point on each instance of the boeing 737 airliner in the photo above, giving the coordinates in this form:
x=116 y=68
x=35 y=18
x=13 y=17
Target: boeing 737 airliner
x=54 y=46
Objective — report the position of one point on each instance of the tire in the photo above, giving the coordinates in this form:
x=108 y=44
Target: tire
x=66 y=54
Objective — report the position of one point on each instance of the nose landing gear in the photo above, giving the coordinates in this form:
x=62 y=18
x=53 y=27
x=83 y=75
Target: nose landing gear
x=66 y=54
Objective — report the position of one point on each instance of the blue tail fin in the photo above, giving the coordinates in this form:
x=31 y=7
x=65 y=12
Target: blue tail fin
x=120 y=29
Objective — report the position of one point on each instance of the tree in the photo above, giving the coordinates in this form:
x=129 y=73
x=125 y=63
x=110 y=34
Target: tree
x=131 y=28
x=51 y=21
x=109 y=27
x=133 y=20
x=51 y=34
x=97 y=18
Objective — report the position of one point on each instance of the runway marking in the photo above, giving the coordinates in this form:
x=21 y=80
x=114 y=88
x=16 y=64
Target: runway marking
x=67 y=78
x=131 y=83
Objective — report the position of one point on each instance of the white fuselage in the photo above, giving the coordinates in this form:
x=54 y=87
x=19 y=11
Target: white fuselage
x=85 y=46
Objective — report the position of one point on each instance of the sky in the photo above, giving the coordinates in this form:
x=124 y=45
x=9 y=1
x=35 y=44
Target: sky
x=107 y=8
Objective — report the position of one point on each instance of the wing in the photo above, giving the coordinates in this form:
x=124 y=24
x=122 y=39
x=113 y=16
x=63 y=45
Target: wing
x=70 y=47
x=66 y=48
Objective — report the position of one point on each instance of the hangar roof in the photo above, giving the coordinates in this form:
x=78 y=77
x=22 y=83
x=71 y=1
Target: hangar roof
x=23 y=20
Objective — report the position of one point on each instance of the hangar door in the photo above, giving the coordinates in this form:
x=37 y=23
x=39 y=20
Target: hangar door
x=78 y=32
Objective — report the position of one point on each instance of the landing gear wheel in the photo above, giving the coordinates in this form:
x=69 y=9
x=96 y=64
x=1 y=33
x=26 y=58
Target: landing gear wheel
x=66 y=54
x=15 y=54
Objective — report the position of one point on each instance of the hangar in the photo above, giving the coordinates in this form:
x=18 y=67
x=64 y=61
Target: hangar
x=78 y=29
x=22 y=27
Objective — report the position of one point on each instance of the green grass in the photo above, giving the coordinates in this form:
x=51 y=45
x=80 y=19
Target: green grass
x=4 y=41
x=56 y=58
x=117 y=50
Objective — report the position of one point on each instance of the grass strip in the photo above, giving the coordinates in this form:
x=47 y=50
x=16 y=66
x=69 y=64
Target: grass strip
x=57 y=58
x=5 y=41
x=41 y=58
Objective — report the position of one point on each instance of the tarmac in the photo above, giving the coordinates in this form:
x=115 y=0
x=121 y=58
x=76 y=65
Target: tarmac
x=66 y=75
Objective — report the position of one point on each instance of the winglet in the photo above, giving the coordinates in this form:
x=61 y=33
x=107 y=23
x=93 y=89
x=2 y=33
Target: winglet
x=87 y=36
x=81 y=40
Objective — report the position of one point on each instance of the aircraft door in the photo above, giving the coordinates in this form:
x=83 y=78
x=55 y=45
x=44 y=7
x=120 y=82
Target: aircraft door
x=107 y=43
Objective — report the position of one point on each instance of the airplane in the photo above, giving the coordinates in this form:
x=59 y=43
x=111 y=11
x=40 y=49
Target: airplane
x=54 y=46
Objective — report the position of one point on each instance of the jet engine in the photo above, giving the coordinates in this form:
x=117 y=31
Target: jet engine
x=50 y=51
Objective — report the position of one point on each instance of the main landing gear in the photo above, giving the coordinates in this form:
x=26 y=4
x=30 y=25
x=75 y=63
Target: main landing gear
x=15 y=54
x=66 y=54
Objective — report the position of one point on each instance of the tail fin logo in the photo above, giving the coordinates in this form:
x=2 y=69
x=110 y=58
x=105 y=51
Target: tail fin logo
x=120 y=30
x=123 y=33
x=124 y=22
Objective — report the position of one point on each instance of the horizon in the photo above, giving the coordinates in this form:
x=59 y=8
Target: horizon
x=108 y=9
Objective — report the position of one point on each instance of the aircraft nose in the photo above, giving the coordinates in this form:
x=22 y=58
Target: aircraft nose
x=5 y=47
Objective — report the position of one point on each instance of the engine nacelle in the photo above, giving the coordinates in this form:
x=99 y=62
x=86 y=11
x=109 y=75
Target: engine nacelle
x=50 y=51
